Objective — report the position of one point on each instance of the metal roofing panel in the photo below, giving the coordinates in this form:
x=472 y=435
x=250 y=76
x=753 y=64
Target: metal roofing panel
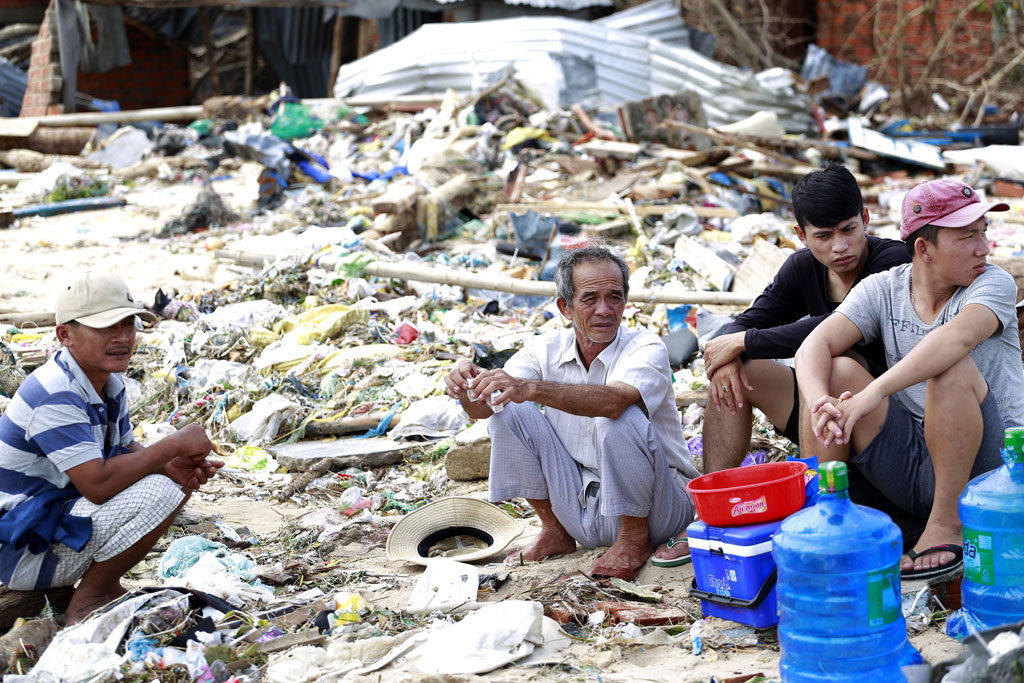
x=628 y=66
x=13 y=82
x=568 y=5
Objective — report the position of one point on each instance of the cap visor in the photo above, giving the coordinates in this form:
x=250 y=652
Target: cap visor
x=113 y=316
x=968 y=214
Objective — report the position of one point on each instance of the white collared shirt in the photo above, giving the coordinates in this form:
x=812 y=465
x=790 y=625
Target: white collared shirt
x=636 y=357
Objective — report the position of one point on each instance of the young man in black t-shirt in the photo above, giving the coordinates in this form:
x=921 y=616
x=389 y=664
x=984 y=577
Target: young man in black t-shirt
x=832 y=224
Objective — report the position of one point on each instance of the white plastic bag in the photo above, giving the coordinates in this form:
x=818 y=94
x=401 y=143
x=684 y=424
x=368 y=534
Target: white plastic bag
x=445 y=585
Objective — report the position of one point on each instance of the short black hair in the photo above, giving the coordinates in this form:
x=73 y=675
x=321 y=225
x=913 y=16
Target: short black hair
x=926 y=232
x=827 y=197
x=564 y=284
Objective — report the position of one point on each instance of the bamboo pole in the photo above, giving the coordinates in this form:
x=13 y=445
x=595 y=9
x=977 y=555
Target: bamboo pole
x=598 y=207
x=500 y=283
x=195 y=111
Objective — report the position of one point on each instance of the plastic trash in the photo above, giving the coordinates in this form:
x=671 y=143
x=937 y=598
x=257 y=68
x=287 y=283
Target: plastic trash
x=348 y=608
x=445 y=585
x=262 y=423
x=352 y=501
x=252 y=459
x=186 y=552
x=492 y=636
x=435 y=416
x=89 y=650
x=295 y=120
x=406 y=333
x=839 y=590
x=992 y=514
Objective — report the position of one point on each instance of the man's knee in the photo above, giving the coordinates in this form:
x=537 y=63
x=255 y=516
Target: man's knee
x=962 y=377
x=631 y=420
x=848 y=375
x=143 y=495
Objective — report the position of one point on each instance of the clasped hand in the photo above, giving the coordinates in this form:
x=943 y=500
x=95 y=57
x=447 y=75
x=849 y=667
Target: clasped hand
x=833 y=418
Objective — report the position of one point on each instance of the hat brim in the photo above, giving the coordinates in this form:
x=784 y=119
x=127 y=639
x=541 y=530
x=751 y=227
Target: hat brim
x=114 y=316
x=966 y=215
x=456 y=512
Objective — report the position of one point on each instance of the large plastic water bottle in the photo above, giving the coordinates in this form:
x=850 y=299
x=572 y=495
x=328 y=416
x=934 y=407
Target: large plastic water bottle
x=839 y=590
x=992 y=515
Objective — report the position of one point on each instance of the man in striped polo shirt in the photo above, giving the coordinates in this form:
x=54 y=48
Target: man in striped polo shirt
x=79 y=497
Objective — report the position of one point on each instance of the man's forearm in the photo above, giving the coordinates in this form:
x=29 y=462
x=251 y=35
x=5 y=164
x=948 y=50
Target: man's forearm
x=813 y=371
x=940 y=350
x=588 y=400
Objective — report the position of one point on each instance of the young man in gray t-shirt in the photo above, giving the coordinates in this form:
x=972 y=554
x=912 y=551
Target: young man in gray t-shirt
x=935 y=418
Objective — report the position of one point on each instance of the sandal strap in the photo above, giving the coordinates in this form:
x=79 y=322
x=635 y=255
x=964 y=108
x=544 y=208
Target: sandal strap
x=672 y=542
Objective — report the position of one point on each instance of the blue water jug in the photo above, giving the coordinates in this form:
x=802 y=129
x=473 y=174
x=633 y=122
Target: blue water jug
x=992 y=515
x=839 y=590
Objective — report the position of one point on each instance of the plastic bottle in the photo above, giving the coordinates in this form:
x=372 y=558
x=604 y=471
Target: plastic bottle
x=992 y=515
x=839 y=590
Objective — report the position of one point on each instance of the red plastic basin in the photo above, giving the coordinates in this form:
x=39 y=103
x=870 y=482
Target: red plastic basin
x=749 y=495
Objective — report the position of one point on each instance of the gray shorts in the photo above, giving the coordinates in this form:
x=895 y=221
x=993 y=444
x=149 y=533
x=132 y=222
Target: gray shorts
x=117 y=524
x=897 y=460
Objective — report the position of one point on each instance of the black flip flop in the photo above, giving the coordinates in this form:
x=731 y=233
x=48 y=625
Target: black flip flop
x=934 y=572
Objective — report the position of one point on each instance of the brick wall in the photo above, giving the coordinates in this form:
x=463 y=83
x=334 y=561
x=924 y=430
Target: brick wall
x=43 y=94
x=858 y=31
x=158 y=75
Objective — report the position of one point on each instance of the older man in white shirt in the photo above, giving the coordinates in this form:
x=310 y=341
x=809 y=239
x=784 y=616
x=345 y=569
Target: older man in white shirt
x=605 y=463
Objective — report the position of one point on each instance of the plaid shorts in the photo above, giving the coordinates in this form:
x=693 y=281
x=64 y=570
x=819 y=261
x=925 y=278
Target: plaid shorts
x=117 y=524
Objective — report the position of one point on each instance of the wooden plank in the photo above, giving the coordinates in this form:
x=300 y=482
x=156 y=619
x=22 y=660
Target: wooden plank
x=759 y=268
x=28 y=604
x=373 y=452
x=17 y=127
x=501 y=283
x=619 y=226
x=705 y=262
x=686 y=157
x=613 y=149
x=734 y=140
x=35 y=318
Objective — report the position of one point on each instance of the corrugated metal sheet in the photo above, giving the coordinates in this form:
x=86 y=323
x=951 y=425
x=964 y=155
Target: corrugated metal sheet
x=629 y=66
x=296 y=42
x=13 y=82
x=661 y=19
x=569 y=5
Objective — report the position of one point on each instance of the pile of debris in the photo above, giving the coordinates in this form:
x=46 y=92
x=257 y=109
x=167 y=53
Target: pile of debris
x=389 y=235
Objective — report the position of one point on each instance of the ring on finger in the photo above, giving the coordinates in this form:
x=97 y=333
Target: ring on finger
x=725 y=388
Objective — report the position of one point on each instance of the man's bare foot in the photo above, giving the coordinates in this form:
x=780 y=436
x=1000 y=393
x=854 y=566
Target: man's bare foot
x=83 y=605
x=673 y=550
x=623 y=559
x=549 y=542
x=79 y=610
x=934 y=535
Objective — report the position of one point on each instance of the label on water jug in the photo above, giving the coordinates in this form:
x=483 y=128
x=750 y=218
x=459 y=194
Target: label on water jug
x=883 y=596
x=979 y=558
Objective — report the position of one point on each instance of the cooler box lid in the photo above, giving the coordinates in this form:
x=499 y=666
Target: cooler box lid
x=744 y=541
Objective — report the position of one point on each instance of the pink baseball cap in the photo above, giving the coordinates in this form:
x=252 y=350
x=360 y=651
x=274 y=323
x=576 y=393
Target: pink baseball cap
x=945 y=203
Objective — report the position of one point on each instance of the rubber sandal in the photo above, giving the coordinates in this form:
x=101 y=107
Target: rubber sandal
x=675 y=561
x=944 y=570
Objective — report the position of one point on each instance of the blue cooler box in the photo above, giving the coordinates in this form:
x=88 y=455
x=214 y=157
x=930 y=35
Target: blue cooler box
x=734 y=573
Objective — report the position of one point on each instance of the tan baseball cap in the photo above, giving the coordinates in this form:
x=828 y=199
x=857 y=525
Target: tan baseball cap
x=98 y=300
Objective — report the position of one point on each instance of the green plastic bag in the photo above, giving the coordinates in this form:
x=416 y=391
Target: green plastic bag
x=293 y=120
